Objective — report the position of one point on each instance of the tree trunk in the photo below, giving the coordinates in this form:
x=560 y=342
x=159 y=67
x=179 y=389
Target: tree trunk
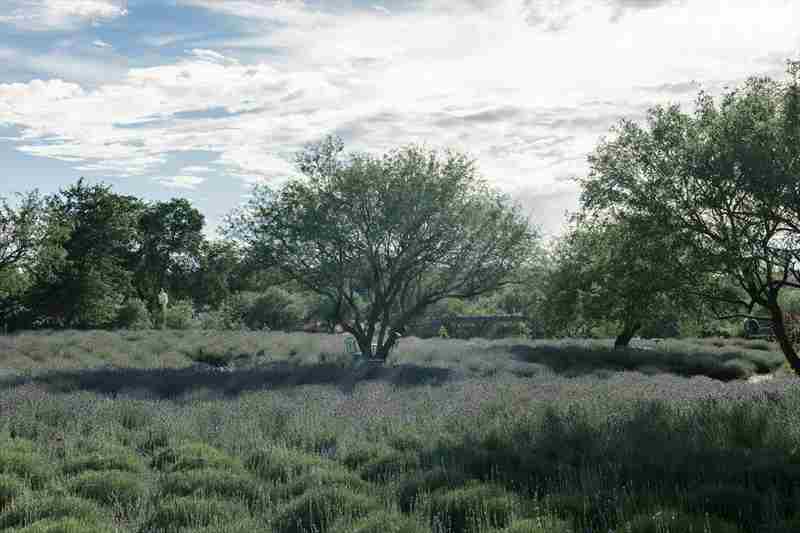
x=779 y=330
x=627 y=333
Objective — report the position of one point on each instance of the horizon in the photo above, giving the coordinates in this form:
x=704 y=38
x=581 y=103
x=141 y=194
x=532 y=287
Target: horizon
x=202 y=99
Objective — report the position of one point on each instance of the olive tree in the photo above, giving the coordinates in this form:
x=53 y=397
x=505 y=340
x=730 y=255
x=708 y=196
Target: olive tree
x=725 y=178
x=398 y=232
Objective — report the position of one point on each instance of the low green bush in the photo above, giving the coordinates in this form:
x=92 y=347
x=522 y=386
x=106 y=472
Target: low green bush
x=472 y=508
x=733 y=503
x=108 y=457
x=675 y=521
x=320 y=508
x=55 y=507
x=316 y=477
x=133 y=314
x=64 y=525
x=427 y=481
x=111 y=487
x=389 y=465
x=282 y=464
x=18 y=457
x=192 y=456
x=171 y=515
x=380 y=522
x=212 y=483
x=11 y=488
x=538 y=525
x=180 y=315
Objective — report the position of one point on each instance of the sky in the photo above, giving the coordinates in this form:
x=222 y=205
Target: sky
x=202 y=99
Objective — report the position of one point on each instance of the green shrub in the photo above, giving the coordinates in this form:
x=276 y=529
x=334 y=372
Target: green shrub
x=134 y=315
x=320 y=508
x=212 y=483
x=18 y=457
x=180 y=315
x=327 y=477
x=109 y=457
x=194 y=456
x=173 y=514
x=427 y=481
x=28 y=511
x=11 y=488
x=538 y=525
x=64 y=525
x=274 y=309
x=472 y=508
x=734 y=503
x=238 y=525
x=672 y=521
x=380 y=522
x=389 y=465
x=282 y=464
x=111 y=487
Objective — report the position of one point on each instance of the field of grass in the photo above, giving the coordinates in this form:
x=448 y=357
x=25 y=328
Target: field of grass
x=194 y=431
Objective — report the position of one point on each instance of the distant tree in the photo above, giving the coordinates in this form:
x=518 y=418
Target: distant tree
x=93 y=249
x=379 y=225
x=171 y=235
x=22 y=233
x=726 y=179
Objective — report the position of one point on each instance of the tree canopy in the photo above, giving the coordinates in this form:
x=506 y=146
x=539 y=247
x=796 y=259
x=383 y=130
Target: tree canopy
x=724 y=178
x=405 y=230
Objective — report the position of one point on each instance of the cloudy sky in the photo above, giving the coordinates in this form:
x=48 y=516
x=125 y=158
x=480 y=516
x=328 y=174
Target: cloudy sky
x=204 y=98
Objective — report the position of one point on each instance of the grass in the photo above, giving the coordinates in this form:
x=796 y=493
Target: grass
x=125 y=432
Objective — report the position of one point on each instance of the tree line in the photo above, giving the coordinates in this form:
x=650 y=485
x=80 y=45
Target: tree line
x=688 y=218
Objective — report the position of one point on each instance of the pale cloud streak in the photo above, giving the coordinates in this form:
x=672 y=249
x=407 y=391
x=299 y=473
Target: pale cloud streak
x=44 y=15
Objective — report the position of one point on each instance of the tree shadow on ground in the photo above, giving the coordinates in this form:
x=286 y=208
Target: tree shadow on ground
x=575 y=360
x=170 y=383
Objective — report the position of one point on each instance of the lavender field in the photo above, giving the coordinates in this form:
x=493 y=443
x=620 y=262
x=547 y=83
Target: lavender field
x=192 y=431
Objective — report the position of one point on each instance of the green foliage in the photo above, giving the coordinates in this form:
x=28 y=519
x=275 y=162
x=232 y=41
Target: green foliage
x=64 y=525
x=427 y=481
x=212 y=483
x=175 y=513
x=472 y=507
x=11 y=488
x=380 y=522
x=319 y=508
x=108 y=457
x=443 y=332
x=55 y=507
x=316 y=229
x=110 y=487
x=283 y=464
x=180 y=315
x=134 y=315
x=193 y=456
x=276 y=309
x=18 y=457
x=675 y=521
x=539 y=525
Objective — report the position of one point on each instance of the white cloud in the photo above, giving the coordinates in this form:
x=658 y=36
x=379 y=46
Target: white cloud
x=101 y=44
x=43 y=15
x=527 y=103
x=180 y=182
x=382 y=10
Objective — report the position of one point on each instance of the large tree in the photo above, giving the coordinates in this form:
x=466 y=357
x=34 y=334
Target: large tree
x=171 y=236
x=96 y=251
x=404 y=230
x=623 y=271
x=726 y=179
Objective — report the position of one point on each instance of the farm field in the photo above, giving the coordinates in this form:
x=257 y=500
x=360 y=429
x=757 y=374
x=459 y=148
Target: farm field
x=197 y=431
